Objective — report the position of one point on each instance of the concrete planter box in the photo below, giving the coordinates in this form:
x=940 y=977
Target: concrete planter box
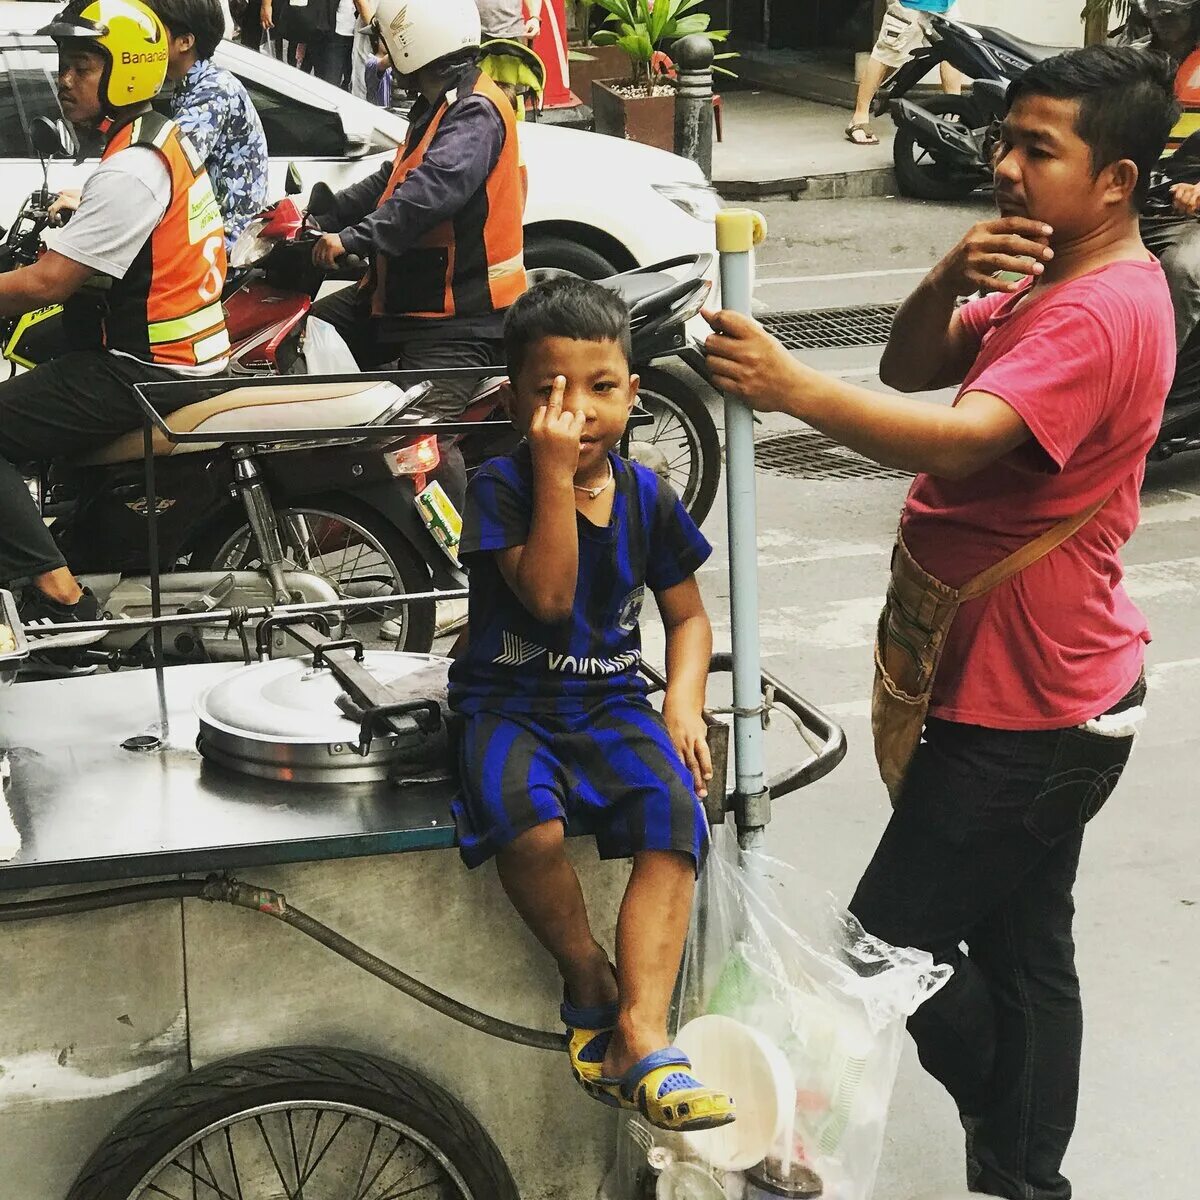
x=607 y=62
x=646 y=119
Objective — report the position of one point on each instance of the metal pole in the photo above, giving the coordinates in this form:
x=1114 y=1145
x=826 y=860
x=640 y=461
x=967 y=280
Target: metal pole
x=738 y=231
x=164 y=720
x=693 y=101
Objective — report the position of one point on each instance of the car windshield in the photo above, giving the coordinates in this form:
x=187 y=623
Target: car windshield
x=28 y=89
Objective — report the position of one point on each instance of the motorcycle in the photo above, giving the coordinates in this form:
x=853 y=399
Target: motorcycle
x=942 y=149
x=260 y=522
x=246 y=522
x=276 y=284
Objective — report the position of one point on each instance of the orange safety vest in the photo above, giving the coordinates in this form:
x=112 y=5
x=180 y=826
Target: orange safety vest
x=1187 y=92
x=167 y=308
x=473 y=262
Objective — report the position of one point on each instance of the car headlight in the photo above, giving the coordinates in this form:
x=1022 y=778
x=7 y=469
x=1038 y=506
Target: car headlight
x=696 y=199
x=251 y=247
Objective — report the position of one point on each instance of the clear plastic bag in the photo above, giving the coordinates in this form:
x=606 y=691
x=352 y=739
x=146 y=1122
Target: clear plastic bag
x=325 y=351
x=829 y=999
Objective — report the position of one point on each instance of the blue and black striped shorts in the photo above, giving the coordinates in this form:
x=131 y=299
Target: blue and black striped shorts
x=611 y=770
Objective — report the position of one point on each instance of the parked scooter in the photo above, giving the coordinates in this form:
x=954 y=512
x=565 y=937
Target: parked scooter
x=942 y=146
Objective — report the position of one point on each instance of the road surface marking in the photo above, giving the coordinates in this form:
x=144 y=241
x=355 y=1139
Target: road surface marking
x=771 y=280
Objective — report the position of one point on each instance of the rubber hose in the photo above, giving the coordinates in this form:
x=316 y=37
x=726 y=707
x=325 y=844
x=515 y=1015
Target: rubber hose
x=222 y=889
x=139 y=893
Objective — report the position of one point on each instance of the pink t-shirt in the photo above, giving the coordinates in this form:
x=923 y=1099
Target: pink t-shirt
x=1087 y=365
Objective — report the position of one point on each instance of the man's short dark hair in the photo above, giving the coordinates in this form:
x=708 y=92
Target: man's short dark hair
x=565 y=307
x=203 y=19
x=1127 y=103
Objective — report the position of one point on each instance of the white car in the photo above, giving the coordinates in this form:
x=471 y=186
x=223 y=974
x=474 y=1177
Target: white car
x=597 y=205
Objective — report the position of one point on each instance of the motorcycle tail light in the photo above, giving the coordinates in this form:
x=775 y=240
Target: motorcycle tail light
x=695 y=303
x=417 y=458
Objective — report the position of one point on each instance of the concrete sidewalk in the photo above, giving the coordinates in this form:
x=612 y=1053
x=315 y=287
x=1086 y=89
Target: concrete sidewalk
x=777 y=145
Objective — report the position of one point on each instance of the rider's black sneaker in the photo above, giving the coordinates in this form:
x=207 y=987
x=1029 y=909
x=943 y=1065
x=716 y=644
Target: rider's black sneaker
x=39 y=611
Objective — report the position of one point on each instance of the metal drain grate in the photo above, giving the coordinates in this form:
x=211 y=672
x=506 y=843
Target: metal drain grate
x=829 y=328
x=811 y=455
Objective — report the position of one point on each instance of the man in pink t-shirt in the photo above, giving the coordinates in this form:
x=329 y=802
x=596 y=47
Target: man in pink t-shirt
x=1062 y=379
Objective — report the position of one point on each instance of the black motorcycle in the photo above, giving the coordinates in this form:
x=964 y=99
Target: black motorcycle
x=942 y=146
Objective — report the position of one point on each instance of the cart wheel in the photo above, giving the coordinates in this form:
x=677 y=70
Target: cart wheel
x=298 y=1123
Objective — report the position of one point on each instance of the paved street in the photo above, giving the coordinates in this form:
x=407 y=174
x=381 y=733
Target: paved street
x=823 y=565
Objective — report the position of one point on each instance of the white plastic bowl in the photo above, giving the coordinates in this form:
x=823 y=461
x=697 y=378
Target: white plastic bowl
x=741 y=1062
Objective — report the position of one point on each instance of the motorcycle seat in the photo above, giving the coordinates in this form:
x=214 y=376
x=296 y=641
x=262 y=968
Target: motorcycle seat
x=1030 y=51
x=290 y=405
x=635 y=288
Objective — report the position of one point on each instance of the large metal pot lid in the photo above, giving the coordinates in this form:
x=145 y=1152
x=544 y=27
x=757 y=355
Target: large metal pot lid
x=286 y=701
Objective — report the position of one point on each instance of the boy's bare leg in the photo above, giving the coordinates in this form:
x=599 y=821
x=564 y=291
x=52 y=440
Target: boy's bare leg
x=545 y=891
x=651 y=931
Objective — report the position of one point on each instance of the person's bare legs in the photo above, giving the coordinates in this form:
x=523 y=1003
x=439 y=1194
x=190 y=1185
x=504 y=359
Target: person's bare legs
x=952 y=79
x=873 y=76
x=545 y=891
x=651 y=931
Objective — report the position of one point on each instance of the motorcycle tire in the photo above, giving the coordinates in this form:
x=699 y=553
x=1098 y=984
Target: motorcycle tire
x=410 y=570
x=195 y=1131
x=671 y=402
x=918 y=174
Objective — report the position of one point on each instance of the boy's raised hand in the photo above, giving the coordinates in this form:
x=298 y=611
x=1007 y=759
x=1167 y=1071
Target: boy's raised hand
x=554 y=436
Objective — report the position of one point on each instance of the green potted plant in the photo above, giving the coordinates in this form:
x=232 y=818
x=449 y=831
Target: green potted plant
x=589 y=62
x=641 y=105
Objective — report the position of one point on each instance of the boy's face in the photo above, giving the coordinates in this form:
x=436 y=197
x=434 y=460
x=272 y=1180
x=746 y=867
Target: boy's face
x=599 y=385
x=1043 y=170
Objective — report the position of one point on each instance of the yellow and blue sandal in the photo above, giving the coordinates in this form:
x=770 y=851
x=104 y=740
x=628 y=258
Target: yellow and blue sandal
x=589 y=1030
x=662 y=1088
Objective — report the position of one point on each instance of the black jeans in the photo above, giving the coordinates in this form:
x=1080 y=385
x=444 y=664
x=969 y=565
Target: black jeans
x=64 y=407
x=982 y=851
x=373 y=348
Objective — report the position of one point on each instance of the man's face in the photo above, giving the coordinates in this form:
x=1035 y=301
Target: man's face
x=1043 y=169
x=80 y=75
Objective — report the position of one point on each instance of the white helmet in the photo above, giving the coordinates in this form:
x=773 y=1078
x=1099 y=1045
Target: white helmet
x=419 y=32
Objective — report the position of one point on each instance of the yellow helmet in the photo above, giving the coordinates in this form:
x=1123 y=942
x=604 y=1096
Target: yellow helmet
x=130 y=36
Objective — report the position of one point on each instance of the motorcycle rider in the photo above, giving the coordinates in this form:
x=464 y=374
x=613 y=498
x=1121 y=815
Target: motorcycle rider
x=139 y=271
x=213 y=108
x=1174 y=238
x=441 y=225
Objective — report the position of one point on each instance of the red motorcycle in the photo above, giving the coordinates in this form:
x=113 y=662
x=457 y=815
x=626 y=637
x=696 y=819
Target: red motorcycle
x=273 y=283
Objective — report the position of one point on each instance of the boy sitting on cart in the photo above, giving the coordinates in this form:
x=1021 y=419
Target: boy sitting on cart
x=563 y=538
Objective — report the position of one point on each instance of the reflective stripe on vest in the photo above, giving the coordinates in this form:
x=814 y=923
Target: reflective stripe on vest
x=1187 y=92
x=472 y=263
x=167 y=308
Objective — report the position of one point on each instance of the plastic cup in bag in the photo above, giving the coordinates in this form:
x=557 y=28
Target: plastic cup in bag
x=747 y=1066
x=689 y=1181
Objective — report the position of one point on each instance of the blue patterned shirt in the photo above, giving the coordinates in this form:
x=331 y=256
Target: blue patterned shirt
x=213 y=108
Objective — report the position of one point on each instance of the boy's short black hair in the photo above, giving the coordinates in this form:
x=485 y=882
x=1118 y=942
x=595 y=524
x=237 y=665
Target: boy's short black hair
x=566 y=307
x=1127 y=103
x=203 y=19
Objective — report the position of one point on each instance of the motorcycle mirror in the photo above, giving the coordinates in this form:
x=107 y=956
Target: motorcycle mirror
x=294 y=185
x=320 y=199
x=52 y=139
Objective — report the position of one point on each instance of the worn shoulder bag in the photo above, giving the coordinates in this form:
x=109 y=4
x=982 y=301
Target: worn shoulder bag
x=912 y=633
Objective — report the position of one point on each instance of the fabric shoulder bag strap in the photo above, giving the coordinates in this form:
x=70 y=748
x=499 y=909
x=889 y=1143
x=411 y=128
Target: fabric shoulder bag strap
x=912 y=632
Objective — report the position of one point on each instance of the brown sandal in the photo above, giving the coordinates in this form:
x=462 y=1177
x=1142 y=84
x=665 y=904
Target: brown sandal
x=867 y=139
